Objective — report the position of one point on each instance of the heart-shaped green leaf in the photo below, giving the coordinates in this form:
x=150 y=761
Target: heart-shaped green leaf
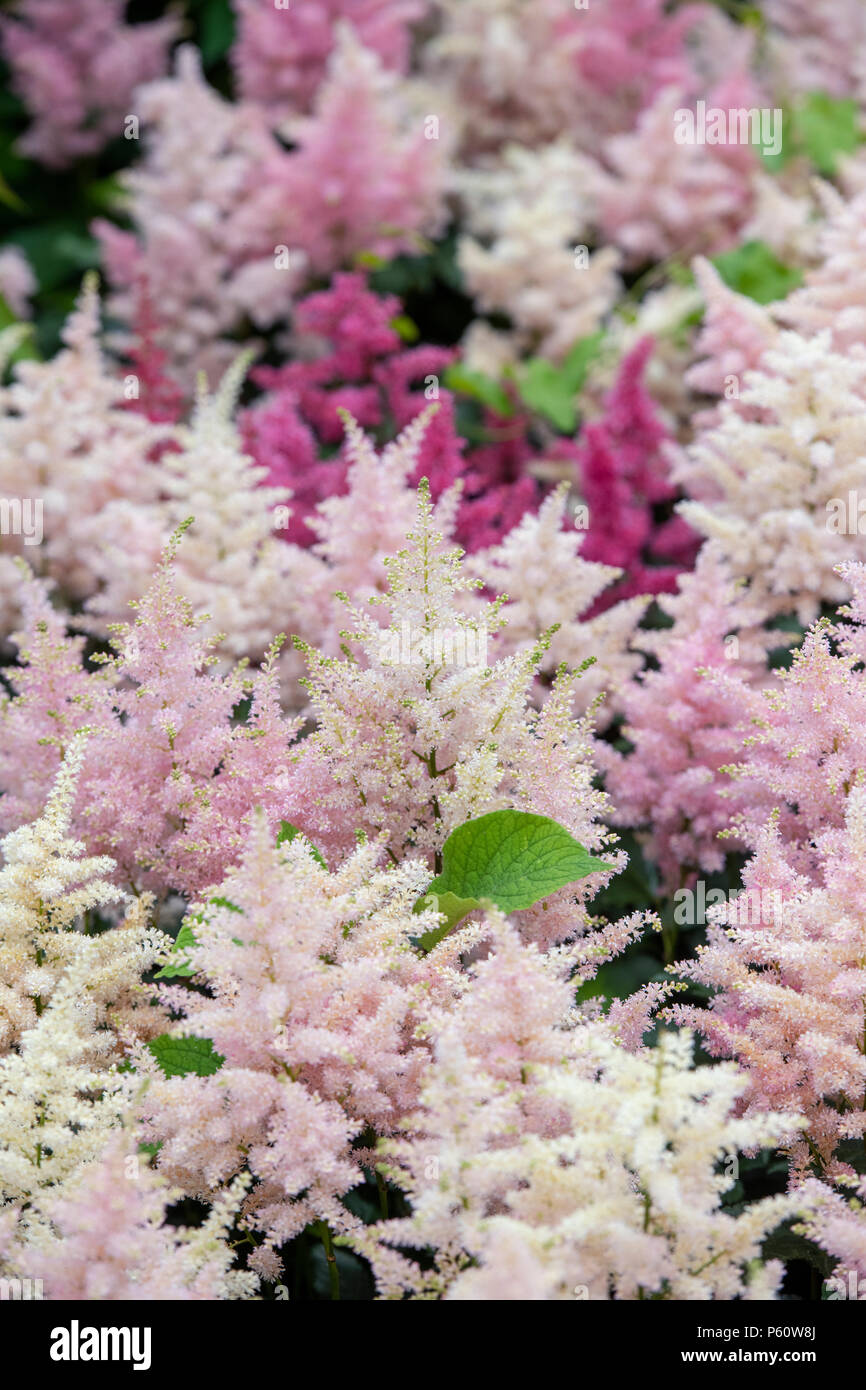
x=512 y=859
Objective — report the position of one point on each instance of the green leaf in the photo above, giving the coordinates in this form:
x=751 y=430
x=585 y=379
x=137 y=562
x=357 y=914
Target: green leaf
x=9 y=198
x=546 y=390
x=512 y=859
x=217 y=31
x=287 y=833
x=826 y=127
x=185 y=1056
x=754 y=270
x=406 y=328
x=181 y=968
x=480 y=387
x=580 y=359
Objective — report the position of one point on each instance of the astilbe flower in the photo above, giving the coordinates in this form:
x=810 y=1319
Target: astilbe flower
x=784 y=207
x=226 y=238
x=162 y=723
x=364 y=178
x=17 y=281
x=206 y=219
x=156 y=394
x=541 y=570
x=418 y=730
x=61 y=1093
x=316 y=1000
x=53 y=696
x=48 y=884
x=622 y=476
x=104 y=1236
x=631 y=50
x=503 y=71
x=661 y=198
x=805 y=745
x=67 y=441
x=836 y=1222
x=525 y=216
x=546 y=1159
x=529 y=70
x=684 y=729
x=71 y=1004
x=75 y=65
x=786 y=962
x=734 y=334
x=358 y=531
x=280 y=56
x=833 y=296
x=766 y=488
x=199 y=774
x=69 y=999
x=350 y=357
x=235 y=574
x=817 y=45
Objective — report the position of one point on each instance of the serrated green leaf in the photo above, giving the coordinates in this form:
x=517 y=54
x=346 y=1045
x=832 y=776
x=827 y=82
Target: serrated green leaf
x=512 y=859
x=190 y=1056
x=287 y=833
x=754 y=269
x=479 y=387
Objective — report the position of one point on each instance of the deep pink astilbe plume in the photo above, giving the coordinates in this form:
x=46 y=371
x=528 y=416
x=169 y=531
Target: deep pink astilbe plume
x=158 y=396
x=75 y=65
x=343 y=335
x=280 y=55
x=366 y=369
x=623 y=475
